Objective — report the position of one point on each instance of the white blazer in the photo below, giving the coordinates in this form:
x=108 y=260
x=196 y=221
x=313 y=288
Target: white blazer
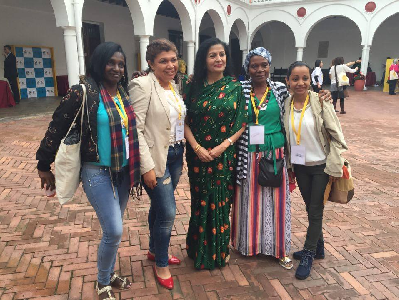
x=152 y=121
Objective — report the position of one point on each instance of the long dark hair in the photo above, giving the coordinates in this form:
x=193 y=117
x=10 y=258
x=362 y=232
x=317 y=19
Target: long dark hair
x=200 y=65
x=100 y=57
x=337 y=61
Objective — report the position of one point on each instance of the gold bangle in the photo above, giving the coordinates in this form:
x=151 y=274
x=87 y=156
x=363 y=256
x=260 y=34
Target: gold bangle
x=197 y=148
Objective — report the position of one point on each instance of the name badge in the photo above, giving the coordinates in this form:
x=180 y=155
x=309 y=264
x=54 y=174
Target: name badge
x=127 y=147
x=298 y=155
x=256 y=134
x=179 y=130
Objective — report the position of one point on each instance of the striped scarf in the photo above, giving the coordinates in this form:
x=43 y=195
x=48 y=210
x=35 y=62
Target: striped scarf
x=117 y=142
x=281 y=93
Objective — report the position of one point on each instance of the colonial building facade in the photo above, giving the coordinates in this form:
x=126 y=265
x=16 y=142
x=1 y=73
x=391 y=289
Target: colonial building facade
x=291 y=30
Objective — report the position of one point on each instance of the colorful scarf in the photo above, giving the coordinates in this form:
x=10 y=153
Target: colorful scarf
x=117 y=147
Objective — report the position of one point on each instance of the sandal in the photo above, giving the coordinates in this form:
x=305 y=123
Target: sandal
x=286 y=263
x=105 y=293
x=121 y=283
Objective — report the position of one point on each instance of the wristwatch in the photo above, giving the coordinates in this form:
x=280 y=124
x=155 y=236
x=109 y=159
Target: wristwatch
x=230 y=141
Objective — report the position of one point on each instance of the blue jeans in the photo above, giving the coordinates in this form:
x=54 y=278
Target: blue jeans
x=163 y=207
x=97 y=185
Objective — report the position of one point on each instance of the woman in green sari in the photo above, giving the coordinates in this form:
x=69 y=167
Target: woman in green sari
x=215 y=120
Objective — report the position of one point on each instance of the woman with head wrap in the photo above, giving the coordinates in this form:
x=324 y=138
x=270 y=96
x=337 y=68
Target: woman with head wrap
x=261 y=219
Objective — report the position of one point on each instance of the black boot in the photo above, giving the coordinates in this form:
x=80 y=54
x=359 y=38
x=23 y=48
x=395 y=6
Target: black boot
x=319 y=253
x=304 y=268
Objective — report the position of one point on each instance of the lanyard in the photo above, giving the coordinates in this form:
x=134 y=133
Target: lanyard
x=122 y=113
x=298 y=133
x=177 y=101
x=257 y=108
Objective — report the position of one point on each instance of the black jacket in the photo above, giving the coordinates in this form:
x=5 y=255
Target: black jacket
x=10 y=66
x=62 y=120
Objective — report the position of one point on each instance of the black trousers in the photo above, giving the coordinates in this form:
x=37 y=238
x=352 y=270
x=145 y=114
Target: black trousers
x=312 y=181
x=316 y=88
x=14 y=88
x=335 y=96
x=392 y=86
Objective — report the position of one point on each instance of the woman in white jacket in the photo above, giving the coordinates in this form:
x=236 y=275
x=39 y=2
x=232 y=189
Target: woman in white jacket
x=337 y=91
x=317 y=77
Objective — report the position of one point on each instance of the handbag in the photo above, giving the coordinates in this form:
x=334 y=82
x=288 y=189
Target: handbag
x=267 y=176
x=393 y=75
x=68 y=159
x=343 y=79
x=342 y=190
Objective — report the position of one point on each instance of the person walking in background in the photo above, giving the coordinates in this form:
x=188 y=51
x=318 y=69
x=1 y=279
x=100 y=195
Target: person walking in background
x=109 y=151
x=317 y=76
x=338 y=91
x=160 y=113
x=216 y=118
x=11 y=72
x=393 y=77
x=261 y=216
x=313 y=157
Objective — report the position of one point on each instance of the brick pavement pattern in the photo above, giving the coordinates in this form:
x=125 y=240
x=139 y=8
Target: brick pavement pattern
x=48 y=251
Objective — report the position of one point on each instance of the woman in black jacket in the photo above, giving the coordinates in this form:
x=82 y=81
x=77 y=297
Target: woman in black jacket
x=109 y=152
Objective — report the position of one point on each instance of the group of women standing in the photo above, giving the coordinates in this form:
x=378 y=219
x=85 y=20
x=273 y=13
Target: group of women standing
x=214 y=113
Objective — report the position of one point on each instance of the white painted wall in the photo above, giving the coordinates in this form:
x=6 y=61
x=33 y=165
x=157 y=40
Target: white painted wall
x=31 y=23
x=118 y=27
x=384 y=44
x=344 y=40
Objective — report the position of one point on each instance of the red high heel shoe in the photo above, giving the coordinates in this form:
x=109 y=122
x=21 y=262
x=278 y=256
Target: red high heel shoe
x=171 y=261
x=167 y=283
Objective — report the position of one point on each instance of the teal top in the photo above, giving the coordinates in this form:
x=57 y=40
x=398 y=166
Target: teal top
x=104 y=136
x=270 y=118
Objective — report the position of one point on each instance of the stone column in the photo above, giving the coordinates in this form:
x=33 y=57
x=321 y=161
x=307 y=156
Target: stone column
x=144 y=42
x=244 y=54
x=71 y=51
x=300 y=52
x=190 y=57
x=78 y=26
x=365 y=59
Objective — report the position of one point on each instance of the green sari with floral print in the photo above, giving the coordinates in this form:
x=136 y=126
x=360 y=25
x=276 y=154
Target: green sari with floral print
x=217 y=113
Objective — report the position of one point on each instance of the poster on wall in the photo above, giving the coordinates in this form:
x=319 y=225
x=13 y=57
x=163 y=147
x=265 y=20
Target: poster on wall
x=36 y=76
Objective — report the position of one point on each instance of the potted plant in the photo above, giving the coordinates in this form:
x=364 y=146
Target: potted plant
x=359 y=82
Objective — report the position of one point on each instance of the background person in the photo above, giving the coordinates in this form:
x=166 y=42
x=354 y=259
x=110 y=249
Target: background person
x=337 y=91
x=11 y=72
x=109 y=169
x=317 y=76
x=394 y=69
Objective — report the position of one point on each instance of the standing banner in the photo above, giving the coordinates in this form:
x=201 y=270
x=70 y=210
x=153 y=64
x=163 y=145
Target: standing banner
x=36 y=71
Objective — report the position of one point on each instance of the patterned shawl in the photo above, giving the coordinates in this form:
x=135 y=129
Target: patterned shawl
x=117 y=147
x=281 y=93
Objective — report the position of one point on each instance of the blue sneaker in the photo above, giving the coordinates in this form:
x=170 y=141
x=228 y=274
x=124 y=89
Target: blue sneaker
x=304 y=268
x=319 y=253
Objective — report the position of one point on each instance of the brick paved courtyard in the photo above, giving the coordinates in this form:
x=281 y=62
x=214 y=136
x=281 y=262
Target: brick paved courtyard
x=49 y=252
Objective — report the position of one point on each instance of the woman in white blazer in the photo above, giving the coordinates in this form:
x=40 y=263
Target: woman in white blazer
x=160 y=113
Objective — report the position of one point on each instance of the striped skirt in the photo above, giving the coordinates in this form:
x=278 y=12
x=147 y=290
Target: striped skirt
x=261 y=217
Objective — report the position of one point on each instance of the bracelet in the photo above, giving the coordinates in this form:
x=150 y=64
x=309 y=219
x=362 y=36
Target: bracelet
x=230 y=141
x=197 y=148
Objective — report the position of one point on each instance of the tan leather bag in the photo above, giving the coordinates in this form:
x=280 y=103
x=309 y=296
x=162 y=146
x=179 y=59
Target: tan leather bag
x=342 y=190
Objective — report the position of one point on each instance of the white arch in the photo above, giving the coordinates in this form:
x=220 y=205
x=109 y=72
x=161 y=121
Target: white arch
x=185 y=10
x=64 y=13
x=381 y=16
x=218 y=17
x=139 y=15
x=331 y=10
x=275 y=15
x=240 y=17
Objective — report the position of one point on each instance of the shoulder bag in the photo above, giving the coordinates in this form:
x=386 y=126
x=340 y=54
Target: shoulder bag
x=68 y=159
